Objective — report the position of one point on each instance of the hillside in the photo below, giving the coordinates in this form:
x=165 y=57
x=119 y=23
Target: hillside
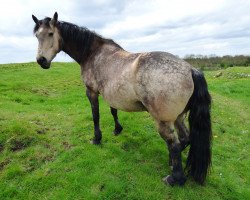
x=46 y=126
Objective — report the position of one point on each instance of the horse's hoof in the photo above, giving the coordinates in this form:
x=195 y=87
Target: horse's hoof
x=95 y=142
x=182 y=181
x=118 y=130
x=169 y=180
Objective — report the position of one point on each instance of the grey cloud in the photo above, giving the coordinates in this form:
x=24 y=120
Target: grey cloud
x=95 y=15
x=227 y=26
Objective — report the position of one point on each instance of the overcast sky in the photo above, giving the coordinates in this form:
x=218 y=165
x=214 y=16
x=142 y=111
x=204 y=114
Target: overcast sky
x=180 y=27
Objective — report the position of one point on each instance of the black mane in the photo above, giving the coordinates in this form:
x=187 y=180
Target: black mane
x=81 y=36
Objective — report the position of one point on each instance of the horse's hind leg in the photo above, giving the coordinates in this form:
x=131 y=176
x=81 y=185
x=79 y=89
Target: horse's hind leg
x=183 y=133
x=166 y=130
x=93 y=98
x=118 y=127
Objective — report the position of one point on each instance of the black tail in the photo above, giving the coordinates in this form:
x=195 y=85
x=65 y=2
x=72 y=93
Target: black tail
x=199 y=156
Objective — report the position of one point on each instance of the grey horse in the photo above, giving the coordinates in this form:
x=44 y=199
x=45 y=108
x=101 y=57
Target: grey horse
x=157 y=82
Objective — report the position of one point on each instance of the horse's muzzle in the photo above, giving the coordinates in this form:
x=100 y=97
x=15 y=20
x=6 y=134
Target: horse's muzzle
x=43 y=63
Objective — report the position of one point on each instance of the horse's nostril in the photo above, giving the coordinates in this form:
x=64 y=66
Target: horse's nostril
x=41 y=61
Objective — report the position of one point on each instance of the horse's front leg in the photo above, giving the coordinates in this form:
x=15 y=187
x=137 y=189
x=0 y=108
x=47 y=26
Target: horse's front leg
x=118 y=127
x=93 y=98
x=166 y=130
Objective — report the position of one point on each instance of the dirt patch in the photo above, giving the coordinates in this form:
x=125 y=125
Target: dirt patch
x=48 y=158
x=22 y=101
x=37 y=160
x=1 y=148
x=42 y=131
x=2 y=118
x=4 y=163
x=66 y=145
x=40 y=91
x=102 y=187
x=18 y=100
x=17 y=144
x=130 y=145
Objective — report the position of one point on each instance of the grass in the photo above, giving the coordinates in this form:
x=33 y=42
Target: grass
x=46 y=126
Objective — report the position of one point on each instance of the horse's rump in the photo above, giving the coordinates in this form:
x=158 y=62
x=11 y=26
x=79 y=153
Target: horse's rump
x=164 y=84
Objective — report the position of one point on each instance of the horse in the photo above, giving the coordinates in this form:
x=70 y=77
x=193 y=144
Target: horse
x=160 y=83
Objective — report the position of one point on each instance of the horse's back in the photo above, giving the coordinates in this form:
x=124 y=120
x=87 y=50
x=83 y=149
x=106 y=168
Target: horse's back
x=164 y=84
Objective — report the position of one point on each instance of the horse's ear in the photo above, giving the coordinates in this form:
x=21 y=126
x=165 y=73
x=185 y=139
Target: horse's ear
x=54 y=19
x=35 y=19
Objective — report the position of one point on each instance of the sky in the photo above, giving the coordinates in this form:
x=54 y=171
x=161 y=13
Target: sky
x=181 y=27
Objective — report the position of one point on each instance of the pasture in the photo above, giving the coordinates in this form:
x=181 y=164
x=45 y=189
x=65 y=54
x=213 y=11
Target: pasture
x=46 y=125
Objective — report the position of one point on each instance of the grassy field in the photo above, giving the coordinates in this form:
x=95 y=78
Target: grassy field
x=46 y=126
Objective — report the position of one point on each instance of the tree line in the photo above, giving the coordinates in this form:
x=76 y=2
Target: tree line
x=216 y=62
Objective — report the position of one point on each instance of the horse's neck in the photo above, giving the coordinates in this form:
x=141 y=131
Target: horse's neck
x=99 y=45
x=70 y=48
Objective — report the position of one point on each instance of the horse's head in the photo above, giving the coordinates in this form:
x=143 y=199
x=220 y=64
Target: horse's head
x=49 y=40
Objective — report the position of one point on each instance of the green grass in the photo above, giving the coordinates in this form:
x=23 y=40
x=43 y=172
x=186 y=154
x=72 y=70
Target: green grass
x=46 y=126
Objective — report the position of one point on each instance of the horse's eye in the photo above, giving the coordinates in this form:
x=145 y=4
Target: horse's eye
x=50 y=34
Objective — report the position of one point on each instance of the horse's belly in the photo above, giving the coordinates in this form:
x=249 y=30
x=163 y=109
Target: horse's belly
x=128 y=106
x=122 y=97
